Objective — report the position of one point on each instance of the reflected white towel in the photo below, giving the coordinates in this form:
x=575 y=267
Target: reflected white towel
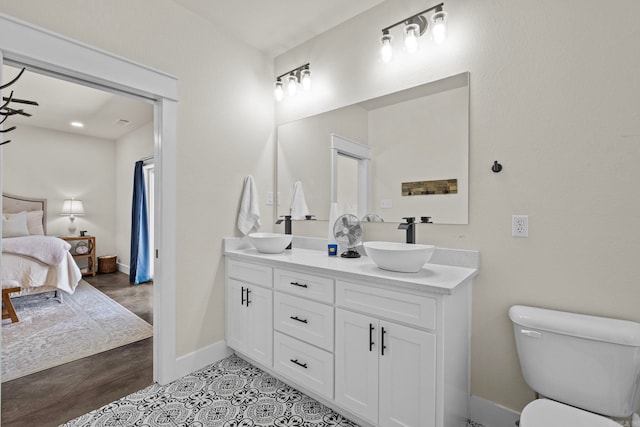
x=334 y=213
x=299 y=208
x=249 y=216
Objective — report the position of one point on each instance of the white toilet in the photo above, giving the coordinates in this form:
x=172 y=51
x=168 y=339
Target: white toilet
x=577 y=361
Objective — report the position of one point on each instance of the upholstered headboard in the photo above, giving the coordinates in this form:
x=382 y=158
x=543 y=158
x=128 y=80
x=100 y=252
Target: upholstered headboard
x=15 y=204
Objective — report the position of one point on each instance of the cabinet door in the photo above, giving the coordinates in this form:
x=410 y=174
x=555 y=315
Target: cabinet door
x=356 y=364
x=236 y=315
x=260 y=324
x=407 y=377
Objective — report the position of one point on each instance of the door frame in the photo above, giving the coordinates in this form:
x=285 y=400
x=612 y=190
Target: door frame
x=66 y=58
x=341 y=146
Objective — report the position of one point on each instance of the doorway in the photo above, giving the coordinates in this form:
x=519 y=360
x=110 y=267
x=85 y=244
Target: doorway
x=56 y=55
x=350 y=174
x=50 y=159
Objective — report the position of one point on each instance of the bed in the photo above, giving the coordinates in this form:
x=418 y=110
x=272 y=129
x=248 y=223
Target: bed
x=26 y=269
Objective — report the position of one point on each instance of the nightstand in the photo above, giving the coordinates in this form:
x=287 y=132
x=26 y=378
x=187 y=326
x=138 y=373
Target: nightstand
x=90 y=255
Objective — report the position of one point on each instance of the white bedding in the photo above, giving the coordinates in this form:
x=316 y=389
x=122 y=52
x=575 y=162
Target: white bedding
x=46 y=249
x=29 y=273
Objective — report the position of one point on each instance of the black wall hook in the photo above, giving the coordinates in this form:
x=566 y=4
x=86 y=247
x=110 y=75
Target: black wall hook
x=497 y=167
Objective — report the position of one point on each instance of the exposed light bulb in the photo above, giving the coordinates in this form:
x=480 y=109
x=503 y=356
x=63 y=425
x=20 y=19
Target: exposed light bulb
x=278 y=92
x=439 y=26
x=305 y=77
x=292 y=85
x=411 y=34
x=386 y=50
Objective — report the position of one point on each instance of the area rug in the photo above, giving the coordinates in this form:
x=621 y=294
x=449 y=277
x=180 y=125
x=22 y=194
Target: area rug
x=51 y=333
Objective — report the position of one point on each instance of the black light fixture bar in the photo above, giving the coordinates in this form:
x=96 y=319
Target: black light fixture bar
x=295 y=71
x=386 y=29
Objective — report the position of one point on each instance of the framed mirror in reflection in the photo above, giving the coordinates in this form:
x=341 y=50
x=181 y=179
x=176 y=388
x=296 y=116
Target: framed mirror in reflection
x=418 y=137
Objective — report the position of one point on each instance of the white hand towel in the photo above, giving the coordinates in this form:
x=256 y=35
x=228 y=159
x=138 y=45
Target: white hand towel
x=249 y=216
x=334 y=213
x=299 y=208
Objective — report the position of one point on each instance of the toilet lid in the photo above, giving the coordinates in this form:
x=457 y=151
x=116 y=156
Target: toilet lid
x=548 y=413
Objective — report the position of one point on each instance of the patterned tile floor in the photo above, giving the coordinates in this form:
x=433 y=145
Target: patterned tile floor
x=229 y=393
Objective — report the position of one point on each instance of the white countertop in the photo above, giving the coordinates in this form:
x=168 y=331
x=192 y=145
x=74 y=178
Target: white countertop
x=436 y=278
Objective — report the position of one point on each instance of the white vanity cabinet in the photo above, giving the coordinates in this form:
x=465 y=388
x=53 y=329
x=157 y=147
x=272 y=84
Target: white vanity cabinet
x=385 y=372
x=249 y=310
x=383 y=348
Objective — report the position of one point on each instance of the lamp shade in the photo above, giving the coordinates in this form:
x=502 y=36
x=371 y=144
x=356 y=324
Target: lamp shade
x=71 y=207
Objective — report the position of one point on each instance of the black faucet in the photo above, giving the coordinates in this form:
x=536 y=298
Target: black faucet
x=410 y=226
x=287 y=225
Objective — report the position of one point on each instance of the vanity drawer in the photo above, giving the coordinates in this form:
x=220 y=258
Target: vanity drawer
x=251 y=273
x=309 y=321
x=411 y=309
x=304 y=285
x=307 y=365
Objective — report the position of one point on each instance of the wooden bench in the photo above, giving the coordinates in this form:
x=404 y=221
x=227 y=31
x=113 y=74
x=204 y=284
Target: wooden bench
x=8 y=312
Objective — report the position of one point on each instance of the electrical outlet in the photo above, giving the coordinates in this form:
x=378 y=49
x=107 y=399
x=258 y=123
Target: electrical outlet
x=386 y=204
x=520 y=226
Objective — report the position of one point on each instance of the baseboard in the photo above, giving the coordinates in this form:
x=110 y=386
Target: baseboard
x=200 y=358
x=490 y=414
x=123 y=268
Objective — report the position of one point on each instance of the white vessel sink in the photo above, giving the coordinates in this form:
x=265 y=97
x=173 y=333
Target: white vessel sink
x=401 y=257
x=270 y=243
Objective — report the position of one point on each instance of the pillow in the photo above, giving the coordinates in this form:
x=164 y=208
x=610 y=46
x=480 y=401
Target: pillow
x=34 y=221
x=15 y=225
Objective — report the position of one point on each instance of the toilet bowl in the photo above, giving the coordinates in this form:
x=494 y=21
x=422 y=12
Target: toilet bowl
x=548 y=413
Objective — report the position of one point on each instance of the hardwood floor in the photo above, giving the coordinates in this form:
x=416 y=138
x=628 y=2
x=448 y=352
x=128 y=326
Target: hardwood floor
x=57 y=395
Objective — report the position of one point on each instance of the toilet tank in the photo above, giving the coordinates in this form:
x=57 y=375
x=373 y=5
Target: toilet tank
x=589 y=362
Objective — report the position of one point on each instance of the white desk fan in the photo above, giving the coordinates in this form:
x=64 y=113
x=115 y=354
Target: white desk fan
x=347 y=231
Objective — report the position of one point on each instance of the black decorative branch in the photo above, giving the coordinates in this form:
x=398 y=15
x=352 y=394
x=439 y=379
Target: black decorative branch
x=13 y=81
x=6 y=111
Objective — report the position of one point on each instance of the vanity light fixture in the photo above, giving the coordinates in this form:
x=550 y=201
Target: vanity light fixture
x=411 y=35
x=386 y=51
x=292 y=86
x=279 y=91
x=305 y=79
x=300 y=76
x=439 y=26
x=415 y=26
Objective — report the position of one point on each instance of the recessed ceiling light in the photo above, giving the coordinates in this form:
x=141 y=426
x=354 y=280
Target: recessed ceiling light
x=122 y=122
x=77 y=124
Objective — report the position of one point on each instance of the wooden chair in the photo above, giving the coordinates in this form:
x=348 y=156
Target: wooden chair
x=8 y=312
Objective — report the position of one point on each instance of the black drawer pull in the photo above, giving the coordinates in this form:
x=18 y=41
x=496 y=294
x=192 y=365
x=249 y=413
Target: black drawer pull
x=248 y=297
x=299 y=320
x=242 y=296
x=371 y=328
x=302 y=285
x=382 y=346
x=303 y=365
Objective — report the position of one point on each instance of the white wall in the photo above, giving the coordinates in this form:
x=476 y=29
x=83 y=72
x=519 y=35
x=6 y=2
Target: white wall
x=225 y=130
x=129 y=149
x=59 y=165
x=555 y=100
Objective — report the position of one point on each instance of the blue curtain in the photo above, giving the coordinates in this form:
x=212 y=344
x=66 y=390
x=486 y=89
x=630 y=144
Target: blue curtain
x=139 y=266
